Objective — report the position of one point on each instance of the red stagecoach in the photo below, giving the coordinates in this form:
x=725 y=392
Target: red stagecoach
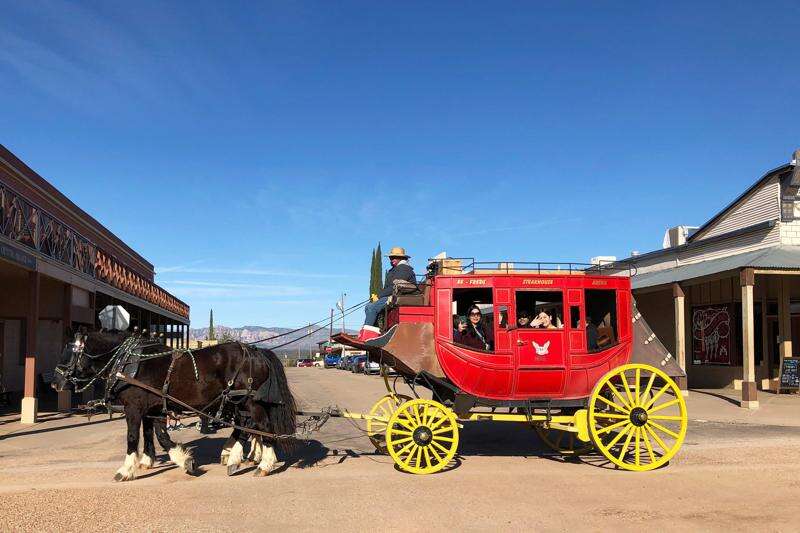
x=597 y=377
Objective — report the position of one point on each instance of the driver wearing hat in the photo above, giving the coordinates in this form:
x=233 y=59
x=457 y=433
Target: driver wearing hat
x=400 y=270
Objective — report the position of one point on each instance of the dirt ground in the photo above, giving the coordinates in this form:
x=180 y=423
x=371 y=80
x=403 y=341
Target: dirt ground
x=729 y=476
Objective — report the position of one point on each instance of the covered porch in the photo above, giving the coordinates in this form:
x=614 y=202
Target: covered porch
x=731 y=321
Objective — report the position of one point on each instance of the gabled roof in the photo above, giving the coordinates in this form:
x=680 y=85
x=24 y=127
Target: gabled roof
x=775 y=171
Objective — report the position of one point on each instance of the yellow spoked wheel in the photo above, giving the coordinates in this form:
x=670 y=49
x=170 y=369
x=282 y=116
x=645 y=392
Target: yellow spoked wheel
x=563 y=442
x=383 y=410
x=422 y=436
x=637 y=417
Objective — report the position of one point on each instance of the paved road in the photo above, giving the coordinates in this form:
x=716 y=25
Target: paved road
x=727 y=477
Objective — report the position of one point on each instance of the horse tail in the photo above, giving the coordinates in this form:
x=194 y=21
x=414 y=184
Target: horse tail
x=282 y=416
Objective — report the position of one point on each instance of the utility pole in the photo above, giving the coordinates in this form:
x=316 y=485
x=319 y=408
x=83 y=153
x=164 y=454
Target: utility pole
x=330 y=334
x=343 y=295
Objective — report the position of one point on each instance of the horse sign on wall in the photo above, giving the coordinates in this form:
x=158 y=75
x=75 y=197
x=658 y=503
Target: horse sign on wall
x=711 y=335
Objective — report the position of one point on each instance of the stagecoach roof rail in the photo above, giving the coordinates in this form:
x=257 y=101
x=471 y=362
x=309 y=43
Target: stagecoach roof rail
x=468 y=265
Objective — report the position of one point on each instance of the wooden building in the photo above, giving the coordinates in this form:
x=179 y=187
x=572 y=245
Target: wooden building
x=58 y=268
x=726 y=298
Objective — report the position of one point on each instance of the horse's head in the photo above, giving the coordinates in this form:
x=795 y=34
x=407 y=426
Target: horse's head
x=84 y=356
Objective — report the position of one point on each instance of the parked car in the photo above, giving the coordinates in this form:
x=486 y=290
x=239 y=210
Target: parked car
x=344 y=363
x=319 y=363
x=372 y=367
x=305 y=362
x=332 y=360
x=358 y=363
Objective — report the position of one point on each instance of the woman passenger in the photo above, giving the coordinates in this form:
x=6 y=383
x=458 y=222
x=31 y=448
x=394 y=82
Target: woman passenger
x=543 y=321
x=476 y=335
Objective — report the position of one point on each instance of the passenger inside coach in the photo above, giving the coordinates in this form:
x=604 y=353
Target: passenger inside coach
x=523 y=319
x=477 y=335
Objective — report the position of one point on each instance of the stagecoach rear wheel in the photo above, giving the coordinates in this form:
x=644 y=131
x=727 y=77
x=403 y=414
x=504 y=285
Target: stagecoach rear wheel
x=563 y=442
x=383 y=410
x=637 y=417
x=422 y=436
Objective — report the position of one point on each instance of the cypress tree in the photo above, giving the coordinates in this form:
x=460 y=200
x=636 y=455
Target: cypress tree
x=372 y=273
x=378 y=268
x=211 y=335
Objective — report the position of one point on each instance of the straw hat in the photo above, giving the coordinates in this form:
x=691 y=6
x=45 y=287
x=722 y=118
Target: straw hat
x=398 y=252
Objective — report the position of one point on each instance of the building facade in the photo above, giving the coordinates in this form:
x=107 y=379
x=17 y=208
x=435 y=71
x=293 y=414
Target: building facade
x=58 y=268
x=725 y=298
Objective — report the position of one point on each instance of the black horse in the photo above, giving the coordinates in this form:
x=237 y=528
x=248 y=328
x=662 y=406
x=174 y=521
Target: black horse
x=248 y=383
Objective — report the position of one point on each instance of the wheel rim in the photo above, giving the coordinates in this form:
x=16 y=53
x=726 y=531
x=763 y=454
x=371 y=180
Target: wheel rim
x=383 y=409
x=422 y=436
x=637 y=417
x=563 y=442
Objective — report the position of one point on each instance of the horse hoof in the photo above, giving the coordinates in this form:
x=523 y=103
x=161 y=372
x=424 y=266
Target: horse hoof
x=120 y=477
x=223 y=460
x=232 y=469
x=260 y=473
x=189 y=466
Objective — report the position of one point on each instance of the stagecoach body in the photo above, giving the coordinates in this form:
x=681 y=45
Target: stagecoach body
x=599 y=380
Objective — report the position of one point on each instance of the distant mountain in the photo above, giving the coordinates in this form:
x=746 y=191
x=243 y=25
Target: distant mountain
x=255 y=333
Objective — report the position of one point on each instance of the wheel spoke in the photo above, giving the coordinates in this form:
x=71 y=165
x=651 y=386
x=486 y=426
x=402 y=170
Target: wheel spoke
x=612 y=427
x=405 y=449
x=439 y=422
x=661 y=428
x=435 y=454
x=419 y=456
x=665 y=417
x=614 y=405
x=627 y=407
x=627 y=389
x=408 y=459
x=441 y=430
x=657 y=439
x=408 y=424
x=648 y=446
x=664 y=405
x=657 y=395
x=445 y=439
x=637 y=446
x=625 y=446
x=444 y=450
x=415 y=410
x=636 y=386
x=403 y=440
x=402 y=432
x=425 y=414
x=618 y=437
x=648 y=387
x=611 y=415
x=427 y=456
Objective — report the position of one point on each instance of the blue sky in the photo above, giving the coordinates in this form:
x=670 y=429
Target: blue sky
x=256 y=154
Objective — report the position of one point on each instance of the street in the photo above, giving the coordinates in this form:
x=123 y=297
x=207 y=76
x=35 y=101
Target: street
x=728 y=476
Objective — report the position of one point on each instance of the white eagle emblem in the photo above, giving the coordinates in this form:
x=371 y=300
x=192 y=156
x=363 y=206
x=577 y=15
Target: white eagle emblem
x=543 y=349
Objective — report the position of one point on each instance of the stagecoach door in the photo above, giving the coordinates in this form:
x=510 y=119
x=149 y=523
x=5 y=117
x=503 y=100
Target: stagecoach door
x=540 y=352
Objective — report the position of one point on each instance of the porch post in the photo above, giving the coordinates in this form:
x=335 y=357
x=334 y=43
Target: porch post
x=784 y=322
x=65 y=396
x=30 y=404
x=749 y=394
x=679 y=299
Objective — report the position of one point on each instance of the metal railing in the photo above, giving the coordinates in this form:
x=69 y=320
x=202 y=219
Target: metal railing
x=469 y=265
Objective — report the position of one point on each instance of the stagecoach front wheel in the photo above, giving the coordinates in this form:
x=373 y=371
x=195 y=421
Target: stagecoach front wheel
x=380 y=414
x=422 y=436
x=637 y=417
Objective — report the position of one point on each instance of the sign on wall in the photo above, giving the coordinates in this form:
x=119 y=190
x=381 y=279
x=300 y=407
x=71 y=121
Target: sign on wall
x=712 y=341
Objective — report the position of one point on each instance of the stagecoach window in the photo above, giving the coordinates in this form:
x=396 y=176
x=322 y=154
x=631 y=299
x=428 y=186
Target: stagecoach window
x=575 y=317
x=545 y=308
x=463 y=300
x=601 y=319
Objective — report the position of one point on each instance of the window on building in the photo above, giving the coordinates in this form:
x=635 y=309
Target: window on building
x=545 y=309
x=601 y=319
